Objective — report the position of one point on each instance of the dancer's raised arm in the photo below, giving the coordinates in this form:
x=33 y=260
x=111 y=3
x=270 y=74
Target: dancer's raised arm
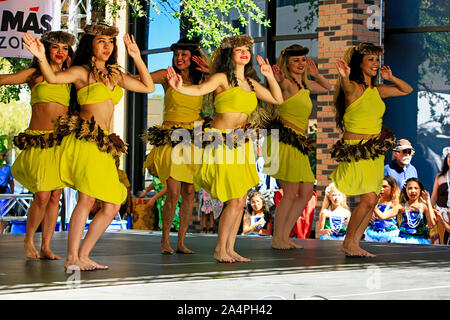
x=348 y=86
x=399 y=87
x=143 y=83
x=176 y=82
x=272 y=94
x=320 y=85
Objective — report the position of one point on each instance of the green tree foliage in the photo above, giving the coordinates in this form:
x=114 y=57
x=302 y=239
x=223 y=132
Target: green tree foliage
x=7 y=66
x=205 y=17
x=435 y=55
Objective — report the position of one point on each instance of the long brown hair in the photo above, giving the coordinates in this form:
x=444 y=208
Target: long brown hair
x=404 y=195
x=222 y=58
x=395 y=190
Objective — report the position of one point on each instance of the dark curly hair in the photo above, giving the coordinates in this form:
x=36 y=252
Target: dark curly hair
x=444 y=168
x=195 y=50
x=222 y=61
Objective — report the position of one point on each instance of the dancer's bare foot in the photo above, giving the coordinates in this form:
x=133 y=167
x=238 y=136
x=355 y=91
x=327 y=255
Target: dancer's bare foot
x=223 y=257
x=30 y=250
x=237 y=257
x=181 y=248
x=280 y=244
x=166 y=248
x=294 y=245
x=47 y=253
x=356 y=251
x=96 y=265
x=77 y=264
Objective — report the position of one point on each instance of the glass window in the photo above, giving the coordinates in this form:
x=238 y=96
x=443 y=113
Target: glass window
x=296 y=17
x=156 y=62
x=417 y=13
x=163 y=29
x=425 y=112
x=259 y=50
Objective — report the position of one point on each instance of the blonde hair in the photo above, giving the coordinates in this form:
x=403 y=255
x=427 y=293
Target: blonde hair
x=283 y=60
x=332 y=188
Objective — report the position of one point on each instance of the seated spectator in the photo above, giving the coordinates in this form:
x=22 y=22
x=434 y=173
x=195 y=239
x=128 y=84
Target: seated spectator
x=416 y=215
x=158 y=200
x=257 y=218
x=334 y=216
x=209 y=210
x=383 y=226
x=440 y=197
x=400 y=167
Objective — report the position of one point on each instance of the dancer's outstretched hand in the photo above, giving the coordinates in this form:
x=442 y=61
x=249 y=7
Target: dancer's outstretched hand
x=202 y=64
x=266 y=69
x=131 y=45
x=386 y=73
x=174 y=79
x=343 y=68
x=34 y=45
x=278 y=73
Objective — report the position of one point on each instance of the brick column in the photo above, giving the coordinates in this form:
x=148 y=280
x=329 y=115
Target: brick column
x=342 y=23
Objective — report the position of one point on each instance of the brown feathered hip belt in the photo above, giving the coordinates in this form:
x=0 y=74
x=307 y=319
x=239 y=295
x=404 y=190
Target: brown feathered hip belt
x=370 y=149
x=290 y=137
x=193 y=133
x=90 y=131
x=25 y=140
x=161 y=135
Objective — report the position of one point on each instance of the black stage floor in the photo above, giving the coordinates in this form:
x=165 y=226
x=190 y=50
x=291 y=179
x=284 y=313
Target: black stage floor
x=139 y=271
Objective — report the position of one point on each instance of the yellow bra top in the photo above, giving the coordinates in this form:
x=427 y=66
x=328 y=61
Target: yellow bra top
x=98 y=92
x=48 y=92
x=179 y=107
x=236 y=99
x=365 y=114
x=297 y=109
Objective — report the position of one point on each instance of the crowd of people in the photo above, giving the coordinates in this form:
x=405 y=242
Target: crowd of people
x=69 y=144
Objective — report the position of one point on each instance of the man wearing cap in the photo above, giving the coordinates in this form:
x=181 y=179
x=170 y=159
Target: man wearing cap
x=400 y=167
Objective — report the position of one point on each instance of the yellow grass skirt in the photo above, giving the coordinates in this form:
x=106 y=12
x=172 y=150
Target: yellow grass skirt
x=37 y=169
x=285 y=162
x=359 y=177
x=178 y=162
x=227 y=173
x=91 y=171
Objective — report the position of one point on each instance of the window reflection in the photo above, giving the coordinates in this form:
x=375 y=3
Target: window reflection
x=296 y=17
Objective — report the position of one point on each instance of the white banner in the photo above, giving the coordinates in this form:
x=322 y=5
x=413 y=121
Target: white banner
x=20 y=16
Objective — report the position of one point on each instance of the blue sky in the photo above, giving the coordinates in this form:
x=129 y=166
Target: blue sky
x=164 y=30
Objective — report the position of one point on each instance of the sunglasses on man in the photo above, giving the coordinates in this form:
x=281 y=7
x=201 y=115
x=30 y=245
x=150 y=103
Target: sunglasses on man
x=404 y=151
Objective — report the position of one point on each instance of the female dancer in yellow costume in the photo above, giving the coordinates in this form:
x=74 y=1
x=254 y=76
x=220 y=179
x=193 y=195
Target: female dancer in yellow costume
x=293 y=170
x=180 y=113
x=362 y=148
x=227 y=170
x=36 y=167
x=87 y=162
